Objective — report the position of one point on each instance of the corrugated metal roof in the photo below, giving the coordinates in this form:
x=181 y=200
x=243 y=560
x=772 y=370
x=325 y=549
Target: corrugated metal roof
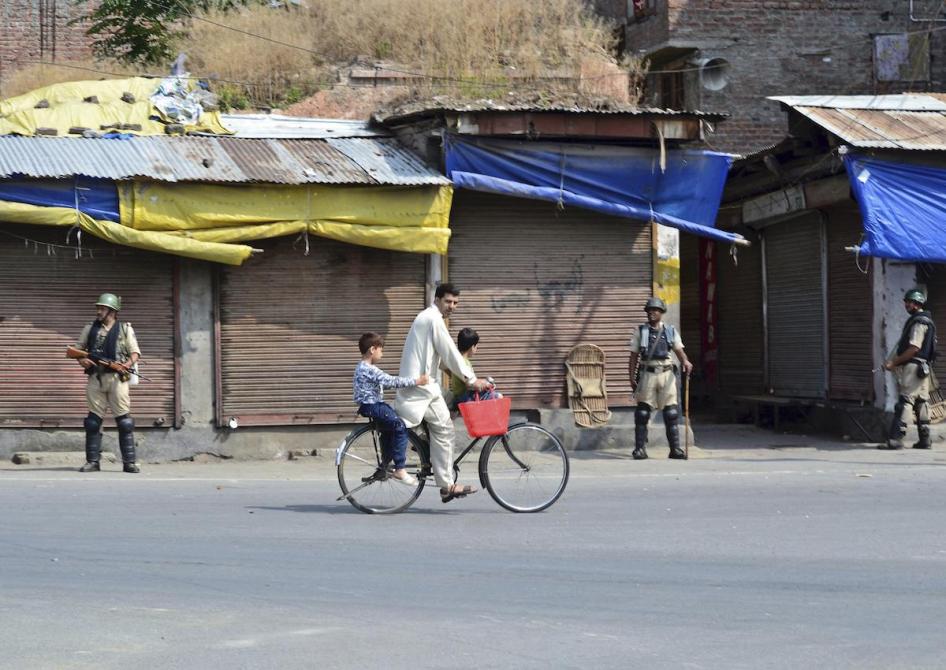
x=376 y=160
x=916 y=102
x=382 y=159
x=276 y=126
x=881 y=122
x=426 y=109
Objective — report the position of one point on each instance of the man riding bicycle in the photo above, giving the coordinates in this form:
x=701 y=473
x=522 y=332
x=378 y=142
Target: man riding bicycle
x=429 y=347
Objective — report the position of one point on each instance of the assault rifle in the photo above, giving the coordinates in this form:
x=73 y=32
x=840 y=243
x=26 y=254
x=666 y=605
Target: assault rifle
x=114 y=366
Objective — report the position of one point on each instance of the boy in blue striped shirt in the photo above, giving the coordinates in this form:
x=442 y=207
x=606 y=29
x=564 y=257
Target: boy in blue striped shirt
x=369 y=383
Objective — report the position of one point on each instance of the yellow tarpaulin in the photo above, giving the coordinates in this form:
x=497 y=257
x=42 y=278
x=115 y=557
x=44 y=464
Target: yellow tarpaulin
x=208 y=221
x=96 y=105
x=399 y=218
x=231 y=254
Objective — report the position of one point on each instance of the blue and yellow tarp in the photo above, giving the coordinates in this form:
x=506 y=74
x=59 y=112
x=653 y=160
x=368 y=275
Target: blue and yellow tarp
x=213 y=222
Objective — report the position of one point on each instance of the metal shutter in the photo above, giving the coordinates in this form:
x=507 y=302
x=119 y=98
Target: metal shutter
x=289 y=326
x=740 y=327
x=535 y=281
x=850 y=303
x=795 y=307
x=46 y=299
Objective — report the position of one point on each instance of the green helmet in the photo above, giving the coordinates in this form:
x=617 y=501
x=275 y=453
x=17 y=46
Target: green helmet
x=915 y=295
x=109 y=300
x=655 y=303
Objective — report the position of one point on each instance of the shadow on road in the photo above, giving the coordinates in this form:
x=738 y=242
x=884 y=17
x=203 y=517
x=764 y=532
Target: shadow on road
x=344 y=508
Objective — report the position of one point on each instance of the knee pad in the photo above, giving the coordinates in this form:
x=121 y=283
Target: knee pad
x=921 y=411
x=125 y=423
x=92 y=423
x=671 y=414
x=642 y=414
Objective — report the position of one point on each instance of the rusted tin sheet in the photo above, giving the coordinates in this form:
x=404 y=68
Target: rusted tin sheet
x=216 y=160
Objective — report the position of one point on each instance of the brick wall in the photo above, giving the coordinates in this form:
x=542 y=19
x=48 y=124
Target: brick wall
x=39 y=30
x=611 y=9
x=783 y=47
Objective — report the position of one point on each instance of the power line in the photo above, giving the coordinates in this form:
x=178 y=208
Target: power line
x=189 y=13
x=126 y=74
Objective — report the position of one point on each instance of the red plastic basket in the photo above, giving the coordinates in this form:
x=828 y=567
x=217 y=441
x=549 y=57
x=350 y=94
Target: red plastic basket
x=486 y=417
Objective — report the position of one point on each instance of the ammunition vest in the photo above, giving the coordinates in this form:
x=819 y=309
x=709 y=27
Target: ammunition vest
x=103 y=348
x=927 y=350
x=659 y=350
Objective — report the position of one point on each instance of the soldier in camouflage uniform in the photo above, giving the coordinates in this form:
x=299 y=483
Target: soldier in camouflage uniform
x=108 y=338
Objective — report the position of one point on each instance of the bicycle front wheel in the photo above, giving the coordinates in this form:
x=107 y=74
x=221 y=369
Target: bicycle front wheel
x=525 y=470
x=367 y=483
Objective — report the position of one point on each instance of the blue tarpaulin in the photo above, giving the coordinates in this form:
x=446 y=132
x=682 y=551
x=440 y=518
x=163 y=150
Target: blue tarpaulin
x=621 y=181
x=903 y=206
x=96 y=197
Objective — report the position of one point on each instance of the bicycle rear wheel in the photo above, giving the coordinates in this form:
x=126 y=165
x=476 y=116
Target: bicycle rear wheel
x=525 y=470
x=367 y=483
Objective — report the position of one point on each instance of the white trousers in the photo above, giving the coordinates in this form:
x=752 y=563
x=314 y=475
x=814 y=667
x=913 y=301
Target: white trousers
x=442 y=438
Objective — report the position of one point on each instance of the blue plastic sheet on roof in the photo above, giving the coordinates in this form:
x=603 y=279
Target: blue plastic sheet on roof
x=903 y=207
x=96 y=197
x=622 y=181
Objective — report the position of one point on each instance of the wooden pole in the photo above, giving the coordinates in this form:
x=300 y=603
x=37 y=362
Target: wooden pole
x=686 y=414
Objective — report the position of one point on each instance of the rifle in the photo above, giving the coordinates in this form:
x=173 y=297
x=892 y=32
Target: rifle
x=114 y=366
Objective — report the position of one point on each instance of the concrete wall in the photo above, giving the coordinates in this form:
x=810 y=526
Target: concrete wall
x=892 y=279
x=784 y=47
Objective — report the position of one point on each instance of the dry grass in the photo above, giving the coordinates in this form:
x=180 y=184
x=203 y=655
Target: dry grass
x=272 y=74
x=467 y=49
x=470 y=48
x=32 y=77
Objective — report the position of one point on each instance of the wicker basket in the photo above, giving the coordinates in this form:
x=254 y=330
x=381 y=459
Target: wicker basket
x=937 y=406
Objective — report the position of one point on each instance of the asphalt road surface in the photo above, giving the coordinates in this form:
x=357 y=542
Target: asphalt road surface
x=782 y=559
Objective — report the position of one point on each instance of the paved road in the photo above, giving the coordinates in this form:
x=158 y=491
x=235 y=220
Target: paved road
x=775 y=559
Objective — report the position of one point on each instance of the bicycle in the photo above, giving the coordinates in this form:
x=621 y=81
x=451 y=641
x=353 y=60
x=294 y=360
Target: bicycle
x=525 y=469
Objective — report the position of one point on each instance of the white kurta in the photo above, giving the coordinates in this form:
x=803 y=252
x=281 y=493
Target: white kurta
x=427 y=349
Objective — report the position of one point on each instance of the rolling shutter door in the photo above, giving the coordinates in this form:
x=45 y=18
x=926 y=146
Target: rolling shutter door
x=46 y=299
x=290 y=323
x=739 y=323
x=795 y=307
x=535 y=281
x=850 y=303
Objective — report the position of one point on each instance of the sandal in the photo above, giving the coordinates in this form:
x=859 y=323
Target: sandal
x=456 y=491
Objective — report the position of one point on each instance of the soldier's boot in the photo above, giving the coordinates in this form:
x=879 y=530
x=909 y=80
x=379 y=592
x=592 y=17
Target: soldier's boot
x=897 y=427
x=93 y=443
x=671 y=415
x=126 y=442
x=922 y=413
x=641 y=419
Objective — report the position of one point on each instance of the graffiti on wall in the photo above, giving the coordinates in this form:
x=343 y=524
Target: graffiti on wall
x=551 y=289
